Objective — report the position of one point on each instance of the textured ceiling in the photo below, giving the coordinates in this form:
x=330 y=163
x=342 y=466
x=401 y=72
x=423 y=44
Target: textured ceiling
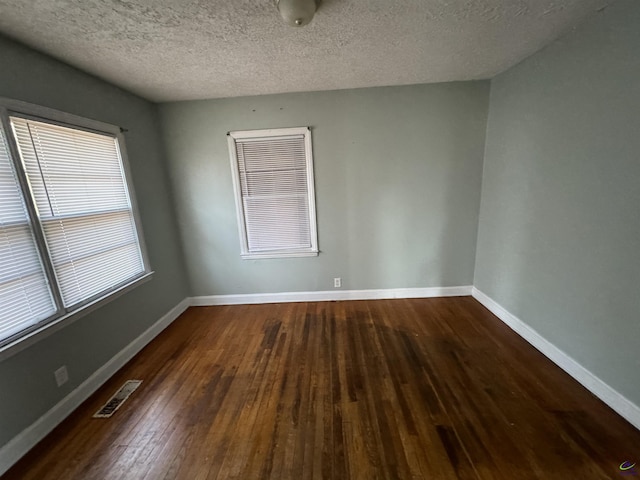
x=169 y=50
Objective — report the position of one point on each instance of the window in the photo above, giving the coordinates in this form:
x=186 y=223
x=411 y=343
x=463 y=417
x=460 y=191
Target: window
x=273 y=183
x=68 y=233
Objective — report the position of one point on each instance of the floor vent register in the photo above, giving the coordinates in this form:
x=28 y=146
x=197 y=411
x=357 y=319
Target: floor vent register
x=118 y=399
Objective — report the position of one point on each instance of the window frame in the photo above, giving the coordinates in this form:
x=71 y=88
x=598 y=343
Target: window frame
x=64 y=316
x=245 y=252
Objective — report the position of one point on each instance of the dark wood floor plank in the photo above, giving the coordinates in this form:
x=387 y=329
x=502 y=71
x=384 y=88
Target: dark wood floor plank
x=407 y=389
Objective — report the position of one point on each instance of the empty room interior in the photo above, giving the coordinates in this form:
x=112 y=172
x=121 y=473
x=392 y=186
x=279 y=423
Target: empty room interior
x=326 y=239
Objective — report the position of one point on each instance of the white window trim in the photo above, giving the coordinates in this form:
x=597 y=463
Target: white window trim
x=63 y=318
x=313 y=229
x=50 y=327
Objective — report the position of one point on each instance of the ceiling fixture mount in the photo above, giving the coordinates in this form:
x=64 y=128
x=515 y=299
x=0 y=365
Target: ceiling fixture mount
x=297 y=13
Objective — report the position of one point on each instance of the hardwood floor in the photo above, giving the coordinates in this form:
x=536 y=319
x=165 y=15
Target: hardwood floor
x=408 y=389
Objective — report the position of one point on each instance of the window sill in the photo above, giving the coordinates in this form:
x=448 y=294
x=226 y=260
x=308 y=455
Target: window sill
x=48 y=329
x=259 y=256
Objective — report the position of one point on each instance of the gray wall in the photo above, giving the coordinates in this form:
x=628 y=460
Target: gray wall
x=27 y=384
x=397 y=175
x=559 y=235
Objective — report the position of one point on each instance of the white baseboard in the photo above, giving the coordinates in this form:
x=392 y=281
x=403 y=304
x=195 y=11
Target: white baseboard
x=330 y=295
x=618 y=402
x=28 y=438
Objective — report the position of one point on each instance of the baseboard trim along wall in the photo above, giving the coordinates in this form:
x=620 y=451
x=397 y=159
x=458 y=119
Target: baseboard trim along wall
x=618 y=402
x=331 y=295
x=28 y=438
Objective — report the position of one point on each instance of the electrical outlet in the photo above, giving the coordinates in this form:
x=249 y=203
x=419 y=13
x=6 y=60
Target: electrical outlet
x=62 y=376
x=337 y=282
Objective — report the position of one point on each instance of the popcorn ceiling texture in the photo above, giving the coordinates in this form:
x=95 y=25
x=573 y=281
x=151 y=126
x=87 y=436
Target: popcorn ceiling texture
x=166 y=50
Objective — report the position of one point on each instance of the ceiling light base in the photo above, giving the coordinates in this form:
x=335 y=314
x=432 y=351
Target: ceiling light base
x=296 y=13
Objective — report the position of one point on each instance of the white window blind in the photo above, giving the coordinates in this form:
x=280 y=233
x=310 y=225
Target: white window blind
x=273 y=175
x=80 y=193
x=25 y=298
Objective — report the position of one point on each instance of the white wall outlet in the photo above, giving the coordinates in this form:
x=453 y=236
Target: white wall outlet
x=62 y=376
x=337 y=282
